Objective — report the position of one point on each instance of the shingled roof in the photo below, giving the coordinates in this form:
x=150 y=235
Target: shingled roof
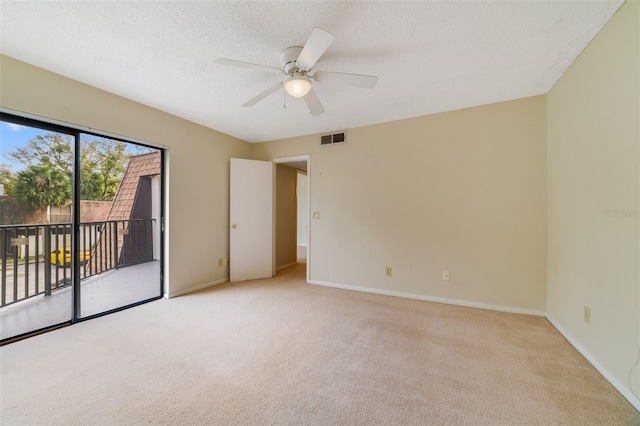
x=140 y=165
x=121 y=210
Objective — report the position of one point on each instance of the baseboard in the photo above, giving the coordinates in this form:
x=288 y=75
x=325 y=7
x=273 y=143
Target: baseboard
x=286 y=266
x=593 y=360
x=200 y=287
x=443 y=300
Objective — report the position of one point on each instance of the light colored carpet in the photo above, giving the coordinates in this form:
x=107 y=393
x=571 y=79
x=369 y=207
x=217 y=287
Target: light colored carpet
x=280 y=351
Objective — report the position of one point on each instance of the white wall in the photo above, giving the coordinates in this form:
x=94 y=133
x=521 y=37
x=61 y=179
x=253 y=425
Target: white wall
x=303 y=208
x=198 y=161
x=462 y=191
x=594 y=168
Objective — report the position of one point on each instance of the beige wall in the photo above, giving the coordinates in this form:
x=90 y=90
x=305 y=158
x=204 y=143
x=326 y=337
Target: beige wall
x=285 y=215
x=198 y=160
x=462 y=191
x=594 y=166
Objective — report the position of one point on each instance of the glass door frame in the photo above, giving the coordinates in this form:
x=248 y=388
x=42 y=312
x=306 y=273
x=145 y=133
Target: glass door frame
x=76 y=133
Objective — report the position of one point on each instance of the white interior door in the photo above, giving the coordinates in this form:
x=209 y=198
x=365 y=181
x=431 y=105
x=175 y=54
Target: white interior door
x=251 y=213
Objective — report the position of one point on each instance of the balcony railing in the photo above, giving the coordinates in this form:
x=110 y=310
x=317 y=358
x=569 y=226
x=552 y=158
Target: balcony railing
x=36 y=259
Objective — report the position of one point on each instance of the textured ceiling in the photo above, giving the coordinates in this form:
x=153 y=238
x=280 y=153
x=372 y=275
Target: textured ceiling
x=430 y=56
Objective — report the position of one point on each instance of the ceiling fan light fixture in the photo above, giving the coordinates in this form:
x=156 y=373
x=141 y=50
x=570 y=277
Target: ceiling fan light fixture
x=297 y=86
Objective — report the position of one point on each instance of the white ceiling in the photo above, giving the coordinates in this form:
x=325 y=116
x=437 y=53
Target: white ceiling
x=430 y=56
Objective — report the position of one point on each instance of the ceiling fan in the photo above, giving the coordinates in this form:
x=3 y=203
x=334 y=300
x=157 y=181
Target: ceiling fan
x=295 y=65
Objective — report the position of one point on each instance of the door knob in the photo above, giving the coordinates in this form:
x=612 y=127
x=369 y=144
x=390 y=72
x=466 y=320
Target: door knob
x=234 y=226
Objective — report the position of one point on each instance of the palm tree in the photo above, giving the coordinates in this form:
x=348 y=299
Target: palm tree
x=41 y=186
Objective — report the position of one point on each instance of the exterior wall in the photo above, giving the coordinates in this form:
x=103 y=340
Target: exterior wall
x=12 y=212
x=94 y=211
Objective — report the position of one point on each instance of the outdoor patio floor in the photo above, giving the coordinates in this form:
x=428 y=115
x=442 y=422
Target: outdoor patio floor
x=100 y=293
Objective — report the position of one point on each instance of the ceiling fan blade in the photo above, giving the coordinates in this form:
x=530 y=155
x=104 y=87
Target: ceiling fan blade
x=318 y=43
x=261 y=96
x=344 y=79
x=233 y=63
x=313 y=102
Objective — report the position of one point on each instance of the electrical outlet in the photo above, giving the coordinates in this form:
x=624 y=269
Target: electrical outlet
x=587 y=315
x=387 y=271
x=445 y=275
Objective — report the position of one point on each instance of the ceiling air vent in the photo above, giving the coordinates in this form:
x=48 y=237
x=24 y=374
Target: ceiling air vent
x=331 y=139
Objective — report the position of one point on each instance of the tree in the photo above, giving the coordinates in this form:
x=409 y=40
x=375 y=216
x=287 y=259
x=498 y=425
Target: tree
x=41 y=185
x=8 y=179
x=90 y=184
x=107 y=161
x=102 y=161
x=53 y=149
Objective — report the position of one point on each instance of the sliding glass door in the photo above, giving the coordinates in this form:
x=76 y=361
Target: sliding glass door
x=80 y=225
x=36 y=170
x=120 y=223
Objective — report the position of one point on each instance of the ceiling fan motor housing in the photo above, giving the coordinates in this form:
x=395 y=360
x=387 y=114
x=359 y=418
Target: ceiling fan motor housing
x=288 y=59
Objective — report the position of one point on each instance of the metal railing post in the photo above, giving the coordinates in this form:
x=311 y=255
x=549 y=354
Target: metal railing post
x=46 y=252
x=115 y=244
x=37 y=264
x=4 y=267
x=26 y=254
x=14 y=248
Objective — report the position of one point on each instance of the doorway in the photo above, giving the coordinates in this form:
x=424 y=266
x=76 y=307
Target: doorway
x=293 y=200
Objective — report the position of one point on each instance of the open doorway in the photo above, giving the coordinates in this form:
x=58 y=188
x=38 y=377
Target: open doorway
x=292 y=212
